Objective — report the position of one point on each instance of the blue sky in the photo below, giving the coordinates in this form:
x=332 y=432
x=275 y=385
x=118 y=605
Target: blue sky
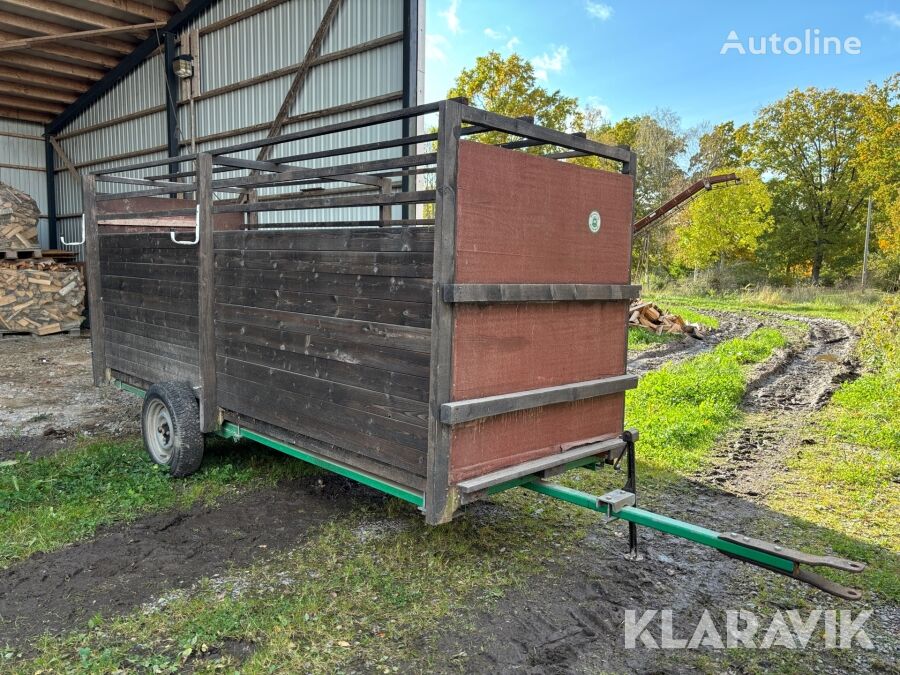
x=632 y=57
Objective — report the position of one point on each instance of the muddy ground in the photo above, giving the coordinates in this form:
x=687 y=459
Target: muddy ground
x=47 y=399
x=566 y=622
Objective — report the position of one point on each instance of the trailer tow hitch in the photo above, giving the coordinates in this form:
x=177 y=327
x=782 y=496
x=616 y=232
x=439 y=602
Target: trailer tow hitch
x=774 y=557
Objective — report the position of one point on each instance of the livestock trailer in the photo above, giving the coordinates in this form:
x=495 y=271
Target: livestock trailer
x=440 y=316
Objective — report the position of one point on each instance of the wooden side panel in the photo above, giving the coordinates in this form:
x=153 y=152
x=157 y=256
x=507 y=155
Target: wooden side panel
x=223 y=221
x=523 y=219
x=325 y=334
x=149 y=307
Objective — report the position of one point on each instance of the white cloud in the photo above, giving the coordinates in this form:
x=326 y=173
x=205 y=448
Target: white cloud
x=891 y=19
x=553 y=62
x=503 y=35
x=598 y=10
x=513 y=41
x=452 y=17
x=494 y=34
x=435 y=46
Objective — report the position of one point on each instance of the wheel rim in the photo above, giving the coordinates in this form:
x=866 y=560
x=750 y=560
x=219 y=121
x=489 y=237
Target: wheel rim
x=160 y=432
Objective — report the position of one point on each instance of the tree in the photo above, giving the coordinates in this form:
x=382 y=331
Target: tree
x=878 y=163
x=509 y=87
x=720 y=147
x=726 y=224
x=809 y=141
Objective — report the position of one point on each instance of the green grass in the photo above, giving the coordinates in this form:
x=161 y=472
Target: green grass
x=53 y=501
x=681 y=409
x=843 y=487
x=845 y=305
x=640 y=339
x=363 y=591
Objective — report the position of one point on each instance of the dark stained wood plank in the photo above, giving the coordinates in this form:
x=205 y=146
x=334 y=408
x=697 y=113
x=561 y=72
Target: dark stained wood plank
x=362 y=309
x=161 y=348
x=457 y=412
x=187 y=306
x=417 y=239
x=206 y=296
x=151 y=331
x=394 y=360
x=537 y=292
x=329 y=424
x=139 y=270
x=389 y=382
x=150 y=367
x=92 y=279
x=333 y=328
x=391 y=408
x=152 y=317
x=388 y=263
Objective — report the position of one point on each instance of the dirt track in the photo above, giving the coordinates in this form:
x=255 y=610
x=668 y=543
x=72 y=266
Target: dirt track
x=570 y=621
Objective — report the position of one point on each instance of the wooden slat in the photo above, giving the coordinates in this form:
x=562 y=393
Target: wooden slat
x=162 y=318
x=481 y=483
x=419 y=239
x=162 y=348
x=457 y=412
x=327 y=423
x=387 y=263
x=149 y=367
x=393 y=383
x=340 y=329
x=206 y=296
x=92 y=279
x=537 y=292
x=181 y=338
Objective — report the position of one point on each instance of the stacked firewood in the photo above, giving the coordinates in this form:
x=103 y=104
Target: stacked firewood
x=649 y=315
x=18 y=220
x=40 y=296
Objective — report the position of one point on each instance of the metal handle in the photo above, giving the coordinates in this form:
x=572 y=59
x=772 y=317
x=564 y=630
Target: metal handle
x=74 y=243
x=196 y=231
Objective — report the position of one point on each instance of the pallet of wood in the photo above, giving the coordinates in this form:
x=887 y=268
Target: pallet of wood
x=650 y=316
x=19 y=215
x=40 y=297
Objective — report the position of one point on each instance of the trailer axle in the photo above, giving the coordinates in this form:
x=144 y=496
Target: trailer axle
x=773 y=557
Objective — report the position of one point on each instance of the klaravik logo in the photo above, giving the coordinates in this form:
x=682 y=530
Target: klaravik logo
x=811 y=43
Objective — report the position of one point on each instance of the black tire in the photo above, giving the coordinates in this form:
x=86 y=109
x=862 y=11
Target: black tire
x=170 y=426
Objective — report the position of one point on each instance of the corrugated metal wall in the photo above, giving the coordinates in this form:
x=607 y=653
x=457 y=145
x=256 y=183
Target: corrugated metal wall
x=273 y=39
x=21 y=145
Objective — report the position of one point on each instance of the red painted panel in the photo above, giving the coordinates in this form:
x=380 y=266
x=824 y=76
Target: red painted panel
x=523 y=218
x=486 y=445
x=503 y=348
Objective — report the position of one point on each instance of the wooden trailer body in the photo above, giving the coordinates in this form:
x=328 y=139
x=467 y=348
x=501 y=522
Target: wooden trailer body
x=437 y=359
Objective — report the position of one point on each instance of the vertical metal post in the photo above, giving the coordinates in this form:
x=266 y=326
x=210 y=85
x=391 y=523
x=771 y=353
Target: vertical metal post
x=209 y=412
x=50 y=169
x=865 y=270
x=92 y=277
x=630 y=436
x=172 y=93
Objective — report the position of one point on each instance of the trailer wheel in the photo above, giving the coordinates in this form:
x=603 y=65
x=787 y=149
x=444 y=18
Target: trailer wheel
x=170 y=425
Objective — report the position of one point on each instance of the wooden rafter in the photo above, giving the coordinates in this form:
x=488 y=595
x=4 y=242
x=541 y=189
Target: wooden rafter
x=64 y=51
x=32 y=104
x=39 y=41
x=146 y=10
x=48 y=28
x=24 y=115
x=42 y=93
x=58 y=10
x=16 y=75
x=35 y=63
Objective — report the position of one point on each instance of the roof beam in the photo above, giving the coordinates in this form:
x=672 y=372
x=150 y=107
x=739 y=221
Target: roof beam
x=31 y=91
x=24 y=115
x=18 y=42
x=30 y=104
x=133 y=7
x=61 y=11
x=52 y=67
x=66 y=52
x=47 y=28
x=29 y=78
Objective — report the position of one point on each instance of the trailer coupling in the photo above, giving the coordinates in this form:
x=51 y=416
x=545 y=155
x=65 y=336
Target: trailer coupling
x=774 y=557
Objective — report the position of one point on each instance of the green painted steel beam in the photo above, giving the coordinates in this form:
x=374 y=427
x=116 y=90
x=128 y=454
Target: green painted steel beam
x=131 y=389
x=235 y=432
x=677 y=528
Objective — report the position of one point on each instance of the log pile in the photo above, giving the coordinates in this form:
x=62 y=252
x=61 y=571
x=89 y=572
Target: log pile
x=650 y=316
x=18 y=220
x=40 y=297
